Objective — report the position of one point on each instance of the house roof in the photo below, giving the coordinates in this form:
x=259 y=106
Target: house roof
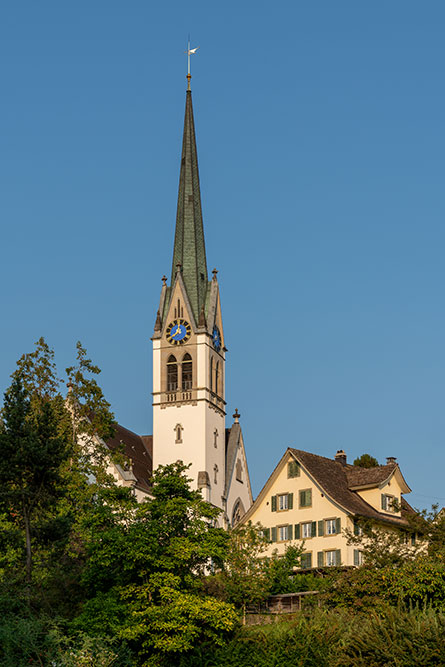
x=335 y=478
x=139 y=449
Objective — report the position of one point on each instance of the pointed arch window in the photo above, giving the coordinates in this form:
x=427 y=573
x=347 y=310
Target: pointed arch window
x=215 y=474
x=172 y=373
x=212 y=363
x=216 y=377
x=187 y=372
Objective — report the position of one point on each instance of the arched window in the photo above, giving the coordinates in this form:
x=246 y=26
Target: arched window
x=215 y=437
x=212 y=363
x=172 y=373
x=187 y=372
x=239 y=471
x=178 y=432
x=215 y=474
x=216 y=376
x=238 y=511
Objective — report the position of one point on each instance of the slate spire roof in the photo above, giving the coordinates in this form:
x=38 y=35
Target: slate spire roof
x=189 y=247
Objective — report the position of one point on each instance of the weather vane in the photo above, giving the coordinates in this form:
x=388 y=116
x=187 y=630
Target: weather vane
x=189 y=53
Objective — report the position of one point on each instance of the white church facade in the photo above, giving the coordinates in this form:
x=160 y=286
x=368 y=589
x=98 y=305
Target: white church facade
x=189 y=359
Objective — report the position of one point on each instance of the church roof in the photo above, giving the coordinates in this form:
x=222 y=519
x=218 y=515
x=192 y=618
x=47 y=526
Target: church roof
x=189 y=246
x=139 y=449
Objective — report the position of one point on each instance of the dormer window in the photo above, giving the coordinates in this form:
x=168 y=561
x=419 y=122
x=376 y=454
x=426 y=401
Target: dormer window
x=389 y=503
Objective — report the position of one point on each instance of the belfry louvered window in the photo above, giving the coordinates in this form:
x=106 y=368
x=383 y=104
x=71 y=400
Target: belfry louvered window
x=172 y=373
x=187 y=372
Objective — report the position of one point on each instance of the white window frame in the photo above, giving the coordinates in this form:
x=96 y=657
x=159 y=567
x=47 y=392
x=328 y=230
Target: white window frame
x=282 y=534
x=283 y=502
x=306 y=527
x=330 y=556
x=330 y=527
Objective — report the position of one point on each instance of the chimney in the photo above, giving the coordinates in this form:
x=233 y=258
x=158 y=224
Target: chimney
x=390 y=459
x=340 y=457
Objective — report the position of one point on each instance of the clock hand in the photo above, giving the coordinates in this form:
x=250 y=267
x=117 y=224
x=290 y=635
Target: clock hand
x=178 y=331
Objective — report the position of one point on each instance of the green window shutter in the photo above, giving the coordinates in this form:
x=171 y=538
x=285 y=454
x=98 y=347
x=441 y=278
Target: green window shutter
x=297 y=531
x=338 y=525
x=289 y=532
x=273 y=534
x=338 y=557
x=320 y=528
x=290 y=501
x=383 y=499
x=308 y=560
x=273 y=503
x=309 y=497
x=320 y=559
x=356 y=557
x=356 y=527
x=266 y=533
x=314 y=529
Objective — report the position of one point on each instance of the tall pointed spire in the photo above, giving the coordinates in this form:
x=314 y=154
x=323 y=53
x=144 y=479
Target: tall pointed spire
x=189 y=249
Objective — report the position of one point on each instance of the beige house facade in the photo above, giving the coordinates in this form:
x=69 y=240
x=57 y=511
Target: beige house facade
x=312 y=500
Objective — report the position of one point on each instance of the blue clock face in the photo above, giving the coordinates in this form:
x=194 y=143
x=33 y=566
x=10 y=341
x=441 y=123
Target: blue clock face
x=178 y=332
x=216 y=338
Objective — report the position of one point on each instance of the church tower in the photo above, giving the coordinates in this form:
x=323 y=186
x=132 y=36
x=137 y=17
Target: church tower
x=188 y=347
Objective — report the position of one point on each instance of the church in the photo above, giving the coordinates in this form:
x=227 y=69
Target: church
x=189 y=368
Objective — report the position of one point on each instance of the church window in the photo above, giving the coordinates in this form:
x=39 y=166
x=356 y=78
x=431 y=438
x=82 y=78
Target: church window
x=239 y=471
x=212 y=363
x=216 y=376
x=215 y=474
x=238 y=511
x=187 y=372
x=215 y=438
x=178 y=432
x=172 y=373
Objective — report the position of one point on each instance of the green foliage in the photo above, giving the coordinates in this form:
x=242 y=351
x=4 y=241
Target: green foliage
x=145 y=564
x=366 y=461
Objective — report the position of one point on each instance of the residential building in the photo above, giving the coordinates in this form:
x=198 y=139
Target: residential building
x=311 y=499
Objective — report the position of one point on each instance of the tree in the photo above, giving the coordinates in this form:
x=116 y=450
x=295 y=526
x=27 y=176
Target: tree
x=145 y=566
x=366 y=461
x=32 y=451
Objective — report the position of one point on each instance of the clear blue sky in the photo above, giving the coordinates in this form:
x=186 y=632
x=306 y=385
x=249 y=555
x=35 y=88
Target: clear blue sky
x=321 y=140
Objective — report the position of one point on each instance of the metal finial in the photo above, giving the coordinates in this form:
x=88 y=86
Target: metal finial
x=178 y=267
x=236 y=416
x=189 y=52
x=215 y=271
x=164 y=280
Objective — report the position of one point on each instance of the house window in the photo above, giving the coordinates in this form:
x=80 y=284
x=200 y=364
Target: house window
x=283 y=502
x=284 y=533
x=306 y=530
x=178 y=431
x=389 y=503
x=306 y=560
x=306 y=498
x=172 y=373
x=187 y=372
x=239 y=471
x=358 y=557
x=215 y=438
x=331 y=526
x=215 y=474
x=293 y=469
x=332 y=558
